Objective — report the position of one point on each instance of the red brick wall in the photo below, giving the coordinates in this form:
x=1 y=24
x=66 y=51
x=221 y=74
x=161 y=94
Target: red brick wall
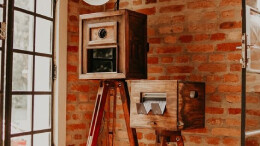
x=189 y=40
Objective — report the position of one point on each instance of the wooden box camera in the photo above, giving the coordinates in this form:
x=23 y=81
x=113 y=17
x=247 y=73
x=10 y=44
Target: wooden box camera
x=113 y=45
x=167 y=104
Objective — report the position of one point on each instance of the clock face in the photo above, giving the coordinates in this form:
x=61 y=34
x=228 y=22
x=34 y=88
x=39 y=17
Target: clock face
x=96 y=2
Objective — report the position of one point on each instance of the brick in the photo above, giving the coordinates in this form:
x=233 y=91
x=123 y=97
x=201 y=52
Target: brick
x=73 y=38
x=214 y=110
x=201 y=4
x=253 y=112
x=213 y=140
x=72 y=28
x=234 y=111
x=166 y=60
x=210 y=88
x=200 y=48
x=231 y=78
x=233 y=98
x=214 y=78
x=167 y=50
x=150 y=136
x=152 y=60
x=86 y=107
x=150 y=32
x=227 y=46
x=137 y=2
x=252 y=142
x=230 y=141
x=155 y=69
x=234 y=57
x=186 y=38
x=229 y=88
x=215 y=121
x=154 y=40
x=233 y=122
x=180 y=69
x=182 y=59
x=201 y=37
x=230 y=25
x=228 y=14
x=150 y=1
x=216 y=57
x=73 y=127
x=225 y=132
x=147 y=11
x=79 y=88
x=235 y=67
x=210 y=67
x=139 y=135
x=210 y=15
x=199 y=58
x=215 y=98
x=172 y=8
x=71 y=98
x=72 y=48
x=196 y=78
x=72 y=58
x=70 y=107
x=170 y=39
x=72 y=78
x=178 y=19
x=230 y=2
x=195 y=139
x=218 y=36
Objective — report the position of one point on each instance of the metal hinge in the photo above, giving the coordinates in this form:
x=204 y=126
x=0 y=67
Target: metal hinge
x=54 y=75
x=243 y=48
x=2 y=30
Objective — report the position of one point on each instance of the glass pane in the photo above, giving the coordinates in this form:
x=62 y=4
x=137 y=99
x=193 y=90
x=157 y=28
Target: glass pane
x=42 y=139
x=1 y=1
x=43 y=42
x=21 y=141
x=43 y=73
x=23 y=31
x=252 y=75
x=44 y=7
x=25 y=4
x=22 y=72
x=21 y=113
x=42 y=112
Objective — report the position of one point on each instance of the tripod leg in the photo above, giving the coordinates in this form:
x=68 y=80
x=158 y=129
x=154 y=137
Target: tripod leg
x=98 y=114
x=126 y=107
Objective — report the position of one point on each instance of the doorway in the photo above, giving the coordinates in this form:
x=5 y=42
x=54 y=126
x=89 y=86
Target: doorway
x=27 y=57
x=250 y=119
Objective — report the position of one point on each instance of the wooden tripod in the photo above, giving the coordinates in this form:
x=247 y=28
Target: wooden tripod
x=99 y=110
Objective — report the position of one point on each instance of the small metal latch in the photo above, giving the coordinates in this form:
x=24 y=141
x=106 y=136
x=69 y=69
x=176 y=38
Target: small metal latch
x=2 y=30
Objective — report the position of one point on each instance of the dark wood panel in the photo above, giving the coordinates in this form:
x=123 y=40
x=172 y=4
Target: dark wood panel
x=191 y=111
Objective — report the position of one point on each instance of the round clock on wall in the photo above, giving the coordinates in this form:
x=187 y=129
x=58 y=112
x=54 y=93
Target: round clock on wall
x=96 y=2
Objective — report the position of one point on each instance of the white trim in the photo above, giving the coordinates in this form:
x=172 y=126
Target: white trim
x=60 y=85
